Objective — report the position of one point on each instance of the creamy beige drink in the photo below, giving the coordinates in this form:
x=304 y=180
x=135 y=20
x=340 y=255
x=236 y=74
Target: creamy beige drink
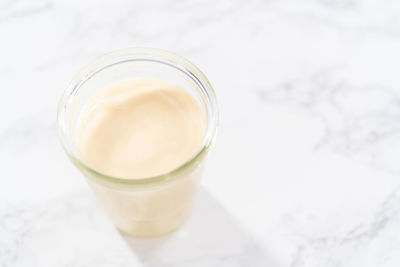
x=136 y=129
x=140 y=128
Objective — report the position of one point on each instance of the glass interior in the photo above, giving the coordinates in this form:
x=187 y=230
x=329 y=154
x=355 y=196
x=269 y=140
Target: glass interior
x=124 y=65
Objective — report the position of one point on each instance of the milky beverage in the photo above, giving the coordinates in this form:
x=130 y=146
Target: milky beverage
x=142 y=128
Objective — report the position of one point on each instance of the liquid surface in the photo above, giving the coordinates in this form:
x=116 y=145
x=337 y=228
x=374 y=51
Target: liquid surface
x=140 y=128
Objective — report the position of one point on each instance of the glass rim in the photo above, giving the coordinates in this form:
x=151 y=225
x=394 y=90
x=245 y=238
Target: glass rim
x=131 y=54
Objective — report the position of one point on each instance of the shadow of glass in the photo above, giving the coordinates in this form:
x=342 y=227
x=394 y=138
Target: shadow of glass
x=210 y=237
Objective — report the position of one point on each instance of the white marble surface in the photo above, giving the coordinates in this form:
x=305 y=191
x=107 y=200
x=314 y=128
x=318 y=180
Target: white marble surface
x=306 y=167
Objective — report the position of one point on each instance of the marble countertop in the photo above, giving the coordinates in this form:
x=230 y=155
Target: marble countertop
x=306 y=167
